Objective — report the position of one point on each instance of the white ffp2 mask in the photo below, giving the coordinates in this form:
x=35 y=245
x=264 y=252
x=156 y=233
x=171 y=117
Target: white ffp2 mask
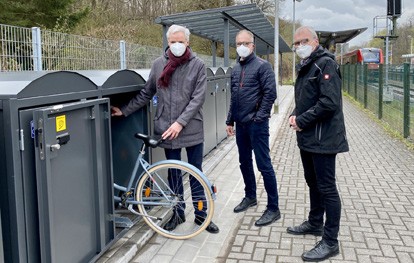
x=243 y=51
x=178 y=49
x=304 y=51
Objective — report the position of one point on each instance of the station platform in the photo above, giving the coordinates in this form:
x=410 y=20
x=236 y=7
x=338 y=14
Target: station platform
x=375 y=180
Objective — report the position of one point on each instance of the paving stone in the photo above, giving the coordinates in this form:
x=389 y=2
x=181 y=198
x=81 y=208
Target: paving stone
x=375 y=180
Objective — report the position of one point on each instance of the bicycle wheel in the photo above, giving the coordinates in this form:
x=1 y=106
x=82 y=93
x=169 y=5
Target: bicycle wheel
x=171 y=189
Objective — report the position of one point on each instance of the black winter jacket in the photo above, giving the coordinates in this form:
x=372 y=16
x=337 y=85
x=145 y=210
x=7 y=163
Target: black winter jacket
x=318 y=107
x=253 y=91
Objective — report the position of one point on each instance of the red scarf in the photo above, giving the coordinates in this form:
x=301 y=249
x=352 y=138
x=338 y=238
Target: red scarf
x=173 y=63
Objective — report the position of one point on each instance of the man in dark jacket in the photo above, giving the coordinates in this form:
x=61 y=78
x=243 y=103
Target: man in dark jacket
x=319 y=124
x=253 y=92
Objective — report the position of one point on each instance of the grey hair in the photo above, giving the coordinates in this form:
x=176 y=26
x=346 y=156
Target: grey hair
x=309 y=29
x=247 y=32
x=176 y=28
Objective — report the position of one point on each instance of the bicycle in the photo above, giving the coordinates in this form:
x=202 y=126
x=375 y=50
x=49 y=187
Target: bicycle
x=158 y=194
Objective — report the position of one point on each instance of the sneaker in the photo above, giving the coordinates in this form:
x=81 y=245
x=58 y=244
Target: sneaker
x=320 y=252
x=244 y=204
x=268 y=217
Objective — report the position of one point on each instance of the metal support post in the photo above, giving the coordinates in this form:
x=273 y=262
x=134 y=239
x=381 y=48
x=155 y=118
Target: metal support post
x=365 y=86
x=406 y=84
x=37 y=49
x=226 y=42
x=355 y=81
x=122 y=54
x=380 y=90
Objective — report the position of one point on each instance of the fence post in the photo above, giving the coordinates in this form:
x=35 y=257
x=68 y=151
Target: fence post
x=380 y=90
x=349 y=78
x=365 y=86
x=122 y=54
x=356 y=81
x=406 y=85
x=37 y=49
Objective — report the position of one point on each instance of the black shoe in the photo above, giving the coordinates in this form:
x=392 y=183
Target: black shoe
x=211 y=228
x=244 y=204
x=320 y=252
x=268 y=217
x=174 y=221
x=305 y=228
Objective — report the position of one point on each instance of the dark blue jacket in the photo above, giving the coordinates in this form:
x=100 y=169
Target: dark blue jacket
x=253 y=91
x=318 y=101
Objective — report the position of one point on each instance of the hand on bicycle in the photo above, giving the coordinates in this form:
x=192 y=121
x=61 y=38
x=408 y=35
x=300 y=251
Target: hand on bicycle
x=173 y=131
x=115 y=111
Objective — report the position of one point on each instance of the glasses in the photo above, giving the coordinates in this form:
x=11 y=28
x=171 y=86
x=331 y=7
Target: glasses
x=300 y=42
x=243 y=43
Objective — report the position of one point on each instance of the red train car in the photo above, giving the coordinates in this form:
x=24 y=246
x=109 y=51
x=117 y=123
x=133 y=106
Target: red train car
x=371 y=56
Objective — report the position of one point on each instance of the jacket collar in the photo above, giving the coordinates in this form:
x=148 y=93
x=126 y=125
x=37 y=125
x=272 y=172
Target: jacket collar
x=315 y=55
x=246 y=59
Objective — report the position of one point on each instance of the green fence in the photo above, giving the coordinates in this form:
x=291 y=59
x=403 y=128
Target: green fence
x=387 y=91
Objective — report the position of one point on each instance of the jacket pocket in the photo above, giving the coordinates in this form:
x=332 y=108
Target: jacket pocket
x=159 y=111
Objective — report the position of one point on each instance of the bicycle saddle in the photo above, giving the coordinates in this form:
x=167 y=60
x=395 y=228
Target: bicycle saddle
x=148 y=140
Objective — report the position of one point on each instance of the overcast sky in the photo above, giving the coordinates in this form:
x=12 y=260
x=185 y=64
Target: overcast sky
x=338 y=15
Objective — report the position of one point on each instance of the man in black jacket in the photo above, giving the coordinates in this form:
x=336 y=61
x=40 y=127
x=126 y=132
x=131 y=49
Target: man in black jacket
x=253 y=92
x=319 y=124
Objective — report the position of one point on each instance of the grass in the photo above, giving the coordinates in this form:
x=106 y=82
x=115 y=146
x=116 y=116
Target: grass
x=387 y=128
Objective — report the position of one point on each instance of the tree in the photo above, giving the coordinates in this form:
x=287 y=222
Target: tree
x=42 y=13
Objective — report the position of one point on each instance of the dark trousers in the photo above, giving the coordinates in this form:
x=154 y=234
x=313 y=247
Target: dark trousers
x=254 y=137
x=194 y=157
x=324 y=197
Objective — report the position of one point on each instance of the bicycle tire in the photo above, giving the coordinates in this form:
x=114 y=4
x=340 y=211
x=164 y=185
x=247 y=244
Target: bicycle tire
x=150 y=187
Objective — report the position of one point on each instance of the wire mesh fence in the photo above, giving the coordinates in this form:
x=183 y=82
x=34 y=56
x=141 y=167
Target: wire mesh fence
x=26 y=49
x=386 y=91
x=70 y=52
x=16 y=51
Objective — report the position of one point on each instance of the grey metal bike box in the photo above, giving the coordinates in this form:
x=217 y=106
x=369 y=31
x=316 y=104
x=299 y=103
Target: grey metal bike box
x=1 y=242
x=220 y=103
x=120 y=88
x=56 y=204
x=209 y=113
x=74 y=186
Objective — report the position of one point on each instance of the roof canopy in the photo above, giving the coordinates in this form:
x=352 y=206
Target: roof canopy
x=212 y=24
x=328 y=39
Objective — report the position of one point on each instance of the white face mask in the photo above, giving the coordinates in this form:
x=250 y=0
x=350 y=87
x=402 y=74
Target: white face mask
x=304 y=51
x=178 y=49
x=243 y=51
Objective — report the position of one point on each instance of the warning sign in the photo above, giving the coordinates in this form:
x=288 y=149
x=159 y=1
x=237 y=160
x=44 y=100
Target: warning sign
x=60 y=123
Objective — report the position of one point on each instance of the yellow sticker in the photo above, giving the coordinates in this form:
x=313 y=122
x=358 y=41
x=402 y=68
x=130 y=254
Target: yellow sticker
x=60 y=123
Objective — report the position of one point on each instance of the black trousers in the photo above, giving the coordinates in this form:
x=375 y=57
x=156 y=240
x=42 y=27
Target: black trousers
x=324 y=197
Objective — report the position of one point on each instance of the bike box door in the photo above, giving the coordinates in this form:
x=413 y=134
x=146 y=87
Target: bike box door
x=74 y=180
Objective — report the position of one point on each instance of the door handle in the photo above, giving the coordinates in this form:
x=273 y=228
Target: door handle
x=54 y=147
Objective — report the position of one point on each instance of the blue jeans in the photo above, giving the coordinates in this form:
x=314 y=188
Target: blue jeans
x=254 y=137
x=319 y=172
x=195 y=157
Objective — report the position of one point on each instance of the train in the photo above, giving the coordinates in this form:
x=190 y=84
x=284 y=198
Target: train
x=371 y=56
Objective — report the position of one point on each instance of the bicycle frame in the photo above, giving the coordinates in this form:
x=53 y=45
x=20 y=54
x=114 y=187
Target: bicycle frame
x=140 y=162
